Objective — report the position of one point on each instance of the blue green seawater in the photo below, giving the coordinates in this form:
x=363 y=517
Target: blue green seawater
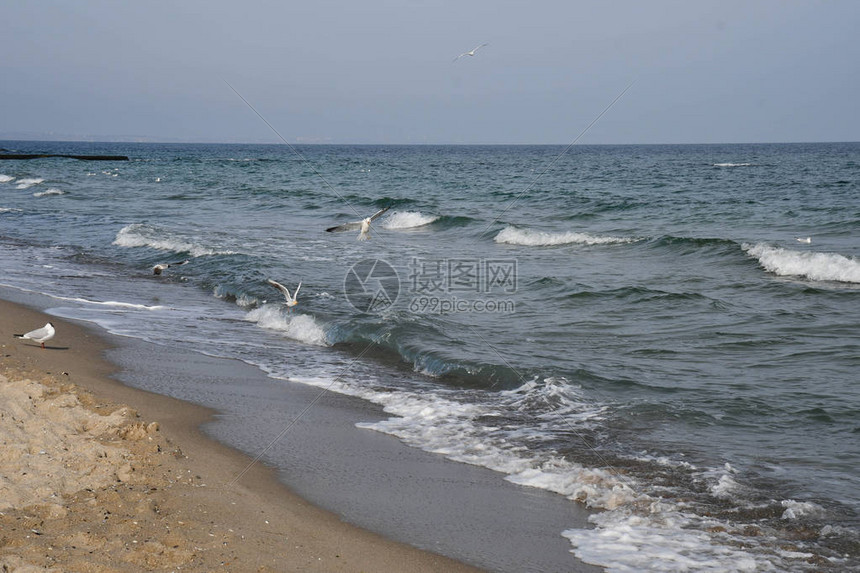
x=667 y=333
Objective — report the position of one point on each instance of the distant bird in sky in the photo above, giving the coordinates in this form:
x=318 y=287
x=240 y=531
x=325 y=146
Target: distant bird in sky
x=291 y=298
x=40 y=335
x=364 y=225
x=804 y=239
x=470 y=52
x=161 y=267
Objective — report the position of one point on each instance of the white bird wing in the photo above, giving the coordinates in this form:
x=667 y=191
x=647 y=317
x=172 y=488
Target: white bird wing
x=45 y=332
x=470 y=52
x=280 y=287
x=38 y=333
x=379 y=213
x=296 y=294
x=345 y=227
x=355 y=225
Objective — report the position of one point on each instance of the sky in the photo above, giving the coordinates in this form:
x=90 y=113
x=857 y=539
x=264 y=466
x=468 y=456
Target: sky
x=381 y=71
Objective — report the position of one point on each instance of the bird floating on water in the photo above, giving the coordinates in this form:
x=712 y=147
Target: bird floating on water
x=470 y=52
x=364 y=225
x=804 y=239
x=291 y=298
x=161 y=267
x=40 y=335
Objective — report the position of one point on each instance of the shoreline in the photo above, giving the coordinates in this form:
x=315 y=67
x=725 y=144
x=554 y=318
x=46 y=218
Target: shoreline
x=164 y=508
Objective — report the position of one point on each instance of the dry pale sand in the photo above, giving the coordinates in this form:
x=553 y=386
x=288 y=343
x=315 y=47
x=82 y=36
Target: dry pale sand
x=97 y=476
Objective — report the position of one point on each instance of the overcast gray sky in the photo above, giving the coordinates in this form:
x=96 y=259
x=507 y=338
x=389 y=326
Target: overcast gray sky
x=381 y=71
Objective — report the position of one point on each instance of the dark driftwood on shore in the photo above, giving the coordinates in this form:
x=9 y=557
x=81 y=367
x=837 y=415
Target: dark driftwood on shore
x=43 y=155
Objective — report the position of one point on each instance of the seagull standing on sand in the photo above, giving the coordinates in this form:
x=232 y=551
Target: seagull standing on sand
x=470 y=52
x=291 y=298
x=364 y=225
x=804 y=240
x=161 y=267
x=40 y=335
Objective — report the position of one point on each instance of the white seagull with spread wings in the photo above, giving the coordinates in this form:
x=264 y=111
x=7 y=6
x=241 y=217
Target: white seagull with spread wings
x=291 y=298
x=364 y=225
x=40 y=335
x=470 y=52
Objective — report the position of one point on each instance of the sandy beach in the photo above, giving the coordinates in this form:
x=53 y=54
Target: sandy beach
x=98 y=476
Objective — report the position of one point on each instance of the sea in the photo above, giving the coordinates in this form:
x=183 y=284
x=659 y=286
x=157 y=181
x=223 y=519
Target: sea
x=667 y=334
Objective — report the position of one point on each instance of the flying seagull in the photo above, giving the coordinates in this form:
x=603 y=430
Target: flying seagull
x=40 y=335
x=804 y=240
x=161 y=267
x=364 y=225
x=470 y=52
x=291 y=299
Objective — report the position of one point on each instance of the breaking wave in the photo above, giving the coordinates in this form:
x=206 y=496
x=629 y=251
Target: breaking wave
x=301 y=327
x=27 y=183
x=141 y=235
x=811 y=265
x=408 y=220
x=527 y=237
x=51 y=191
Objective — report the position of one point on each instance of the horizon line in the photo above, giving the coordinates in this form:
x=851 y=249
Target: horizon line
x=180 y=141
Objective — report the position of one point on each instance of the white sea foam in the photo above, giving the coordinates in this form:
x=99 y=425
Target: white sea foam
x=660 y=540
x=51 y=191
x=408 y=220
x=811 y=265
x=528 y=237
x=110 y=303
x=29 y=182
x=9 y=210
x=634 y=529
x=732 y=164
x=247 y=301
x=301 y=327
x=446 y=426
x=725 y=488
x=795 y=509
x=6 y=178
x=140 y=235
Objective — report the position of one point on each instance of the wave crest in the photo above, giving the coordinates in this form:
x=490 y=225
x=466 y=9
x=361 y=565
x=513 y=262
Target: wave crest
x=408 y=220
x=51 y=191
x=141 y=235
x=301 y=327
x=29 y=182
x=530 y=238
x=814 y=266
